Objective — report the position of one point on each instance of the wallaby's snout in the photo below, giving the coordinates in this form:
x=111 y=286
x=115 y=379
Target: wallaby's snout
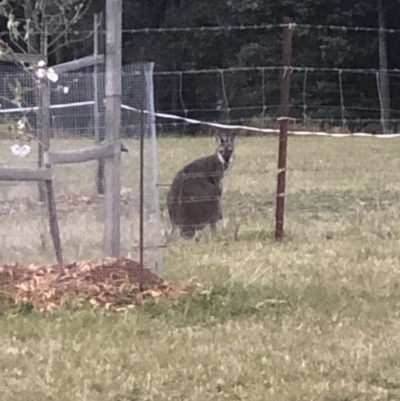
x=225 y=148
x=226 y=153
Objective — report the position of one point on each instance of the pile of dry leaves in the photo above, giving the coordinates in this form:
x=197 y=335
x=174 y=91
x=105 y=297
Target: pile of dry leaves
x=110 y=283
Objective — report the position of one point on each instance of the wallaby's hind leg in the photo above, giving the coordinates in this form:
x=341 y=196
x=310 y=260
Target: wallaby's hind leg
x=188 y=232
x=213 y=227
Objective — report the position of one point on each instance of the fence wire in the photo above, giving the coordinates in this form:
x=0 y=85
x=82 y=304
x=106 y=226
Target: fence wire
x=334 y=186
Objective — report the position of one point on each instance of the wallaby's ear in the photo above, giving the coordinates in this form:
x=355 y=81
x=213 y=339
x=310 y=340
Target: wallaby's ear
x=221 y=139
x=228 y=139
x=218 y=139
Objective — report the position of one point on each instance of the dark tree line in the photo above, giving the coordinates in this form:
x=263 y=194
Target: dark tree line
x=250 y=93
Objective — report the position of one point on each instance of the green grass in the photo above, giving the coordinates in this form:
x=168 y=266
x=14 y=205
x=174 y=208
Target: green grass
x=249 y=343
x=315 y=317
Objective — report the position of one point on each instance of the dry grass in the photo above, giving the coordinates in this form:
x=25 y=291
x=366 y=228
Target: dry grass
x=313 y=318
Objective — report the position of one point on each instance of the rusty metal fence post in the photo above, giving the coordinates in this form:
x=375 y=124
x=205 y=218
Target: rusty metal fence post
x=283 y=127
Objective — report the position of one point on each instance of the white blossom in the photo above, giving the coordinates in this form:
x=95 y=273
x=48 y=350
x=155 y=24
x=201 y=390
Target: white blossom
x=21 y=124
x=40 y=73
x=52 y=75
x=20 y=151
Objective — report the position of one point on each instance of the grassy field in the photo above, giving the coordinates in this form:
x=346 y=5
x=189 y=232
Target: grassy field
x=313 y=318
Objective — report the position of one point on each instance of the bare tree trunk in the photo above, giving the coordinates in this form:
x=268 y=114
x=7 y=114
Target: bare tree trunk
x=99 y=48
x=384 y=90
x=34 y=46
x=33 y=40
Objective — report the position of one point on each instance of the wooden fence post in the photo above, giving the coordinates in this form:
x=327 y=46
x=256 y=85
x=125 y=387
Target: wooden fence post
x=112 y=165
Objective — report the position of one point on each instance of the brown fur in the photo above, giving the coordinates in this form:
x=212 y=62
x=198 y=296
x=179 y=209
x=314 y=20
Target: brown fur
x=194 y=197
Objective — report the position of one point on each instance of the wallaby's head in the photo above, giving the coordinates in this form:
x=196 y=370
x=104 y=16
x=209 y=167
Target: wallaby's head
x=225 y=148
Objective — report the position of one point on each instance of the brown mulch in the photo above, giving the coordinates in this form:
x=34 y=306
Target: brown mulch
x=110 y=283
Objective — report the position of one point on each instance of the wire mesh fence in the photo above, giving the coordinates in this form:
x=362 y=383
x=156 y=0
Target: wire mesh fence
x=321 y=99
x=79 y=206
x=238 y=78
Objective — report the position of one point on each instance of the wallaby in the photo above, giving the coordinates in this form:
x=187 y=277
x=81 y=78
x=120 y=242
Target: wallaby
x=194 y=196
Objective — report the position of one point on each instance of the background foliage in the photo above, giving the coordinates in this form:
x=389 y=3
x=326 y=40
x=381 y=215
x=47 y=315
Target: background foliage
x=200 y=50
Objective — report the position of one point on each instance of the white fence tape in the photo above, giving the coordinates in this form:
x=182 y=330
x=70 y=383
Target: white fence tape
x=264 y=130
x=209 y=123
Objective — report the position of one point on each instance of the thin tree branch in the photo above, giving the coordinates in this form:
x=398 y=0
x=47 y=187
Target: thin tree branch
x=70 y=41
